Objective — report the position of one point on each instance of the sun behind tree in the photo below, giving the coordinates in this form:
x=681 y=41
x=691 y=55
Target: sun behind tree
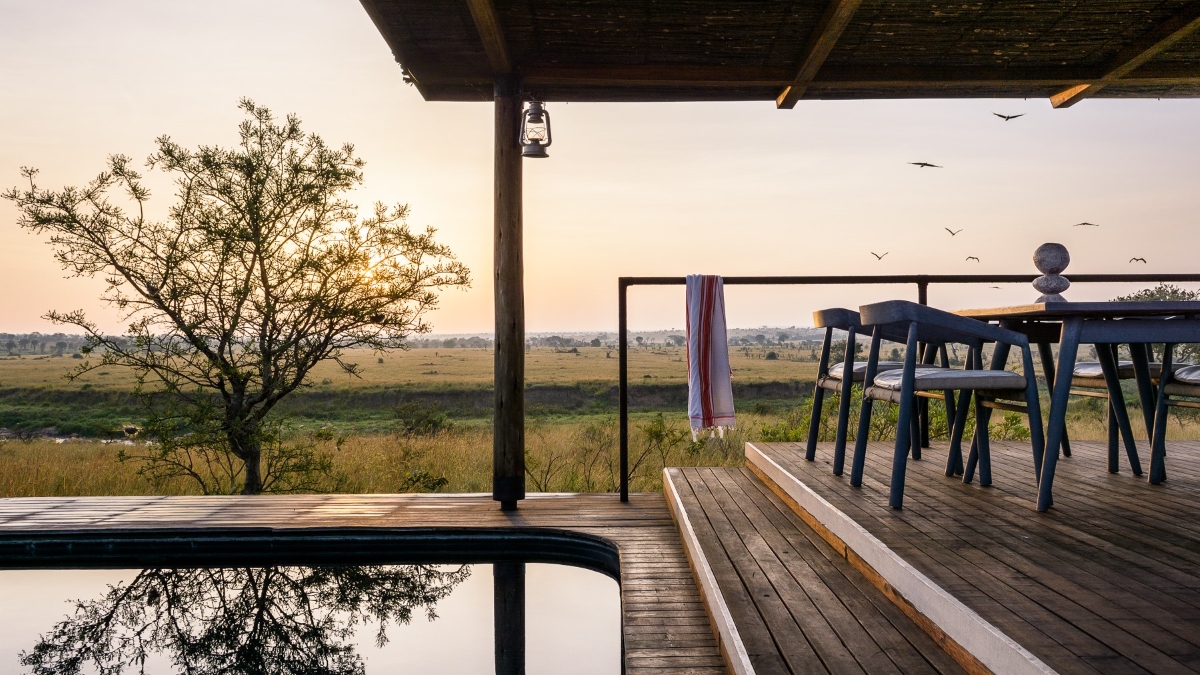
x=261 y=270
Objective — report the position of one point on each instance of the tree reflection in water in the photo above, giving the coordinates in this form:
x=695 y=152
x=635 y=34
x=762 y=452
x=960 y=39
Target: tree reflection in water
x=240 y=621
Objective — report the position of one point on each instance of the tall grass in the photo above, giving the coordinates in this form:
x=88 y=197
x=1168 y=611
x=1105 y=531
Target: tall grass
x=578 y=456
x=571 y=456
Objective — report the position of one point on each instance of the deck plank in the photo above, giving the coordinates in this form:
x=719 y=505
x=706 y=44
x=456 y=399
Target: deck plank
x=787 y=588
x=1107 y=581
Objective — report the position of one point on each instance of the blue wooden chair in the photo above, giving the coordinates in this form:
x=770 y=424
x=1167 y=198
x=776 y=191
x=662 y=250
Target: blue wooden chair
x=993 y=388
x=1180 y=387
x=1096 y=379
x=833 y=379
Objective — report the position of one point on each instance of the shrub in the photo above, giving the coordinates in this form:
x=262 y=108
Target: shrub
x=416 y=419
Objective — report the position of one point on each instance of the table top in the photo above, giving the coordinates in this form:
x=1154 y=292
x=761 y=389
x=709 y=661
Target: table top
x=1050 y=311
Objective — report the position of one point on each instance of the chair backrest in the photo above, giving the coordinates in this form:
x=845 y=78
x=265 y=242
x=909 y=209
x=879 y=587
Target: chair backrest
x=936 y=325
x=836 y=317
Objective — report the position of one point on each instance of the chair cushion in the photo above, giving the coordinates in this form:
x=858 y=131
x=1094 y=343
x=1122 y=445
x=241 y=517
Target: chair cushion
x=927 y=379
x=1089 y=374
x=860 y=369
x=1091 y=370
x=1187 y=375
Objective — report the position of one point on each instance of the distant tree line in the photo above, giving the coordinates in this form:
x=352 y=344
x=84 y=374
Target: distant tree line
x=52 y=344
x=473 y=342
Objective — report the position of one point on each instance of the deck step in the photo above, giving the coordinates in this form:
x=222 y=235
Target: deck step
x=781 y=599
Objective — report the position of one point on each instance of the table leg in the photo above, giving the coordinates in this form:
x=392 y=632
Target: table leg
x=1116 y=399
x=1068 y=350
x=1114 y=440
x=1140 y=354
x=1046 y=356
x=1158 y=442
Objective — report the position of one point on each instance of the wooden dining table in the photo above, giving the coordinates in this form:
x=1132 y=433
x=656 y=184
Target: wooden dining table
x=1105 y=325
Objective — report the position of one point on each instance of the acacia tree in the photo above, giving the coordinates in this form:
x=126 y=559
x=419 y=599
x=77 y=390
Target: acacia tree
x=259 y=270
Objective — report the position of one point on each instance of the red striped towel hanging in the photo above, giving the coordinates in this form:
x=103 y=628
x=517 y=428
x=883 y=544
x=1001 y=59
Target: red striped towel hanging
x=710 y=385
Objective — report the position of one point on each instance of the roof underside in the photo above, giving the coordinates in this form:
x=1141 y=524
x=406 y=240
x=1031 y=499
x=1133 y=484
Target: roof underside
x=695 y=50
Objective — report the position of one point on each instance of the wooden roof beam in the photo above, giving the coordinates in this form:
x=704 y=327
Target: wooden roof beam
x=835 y=19
x=487 y=23
x=1135 y=56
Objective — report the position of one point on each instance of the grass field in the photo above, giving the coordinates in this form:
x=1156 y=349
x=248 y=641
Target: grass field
x=424 y=368
x=37 y=397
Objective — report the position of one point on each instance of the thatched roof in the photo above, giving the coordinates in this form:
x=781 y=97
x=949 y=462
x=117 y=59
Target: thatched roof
x=687 y=50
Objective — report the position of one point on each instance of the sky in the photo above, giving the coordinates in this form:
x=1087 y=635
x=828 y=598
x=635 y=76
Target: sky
x=629 y=189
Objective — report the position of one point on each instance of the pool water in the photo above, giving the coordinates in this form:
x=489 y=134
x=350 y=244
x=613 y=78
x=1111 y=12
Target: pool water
x=505 y=618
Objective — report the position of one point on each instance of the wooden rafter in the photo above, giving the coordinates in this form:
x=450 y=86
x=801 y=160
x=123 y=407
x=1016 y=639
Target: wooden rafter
x=488 y=24
x=837 y=16
x=840 y=77
x=1135 y=56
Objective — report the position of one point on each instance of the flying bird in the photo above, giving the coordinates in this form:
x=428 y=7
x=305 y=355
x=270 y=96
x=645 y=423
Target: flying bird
x=952 y=232
x=1008 y=117
x=971 y=257
x=877 y=256
x=1141 y=260
x=997 y=288
x=925 y=164
x=1085 y=224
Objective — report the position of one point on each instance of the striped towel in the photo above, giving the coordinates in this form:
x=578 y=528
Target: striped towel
x=710 y=387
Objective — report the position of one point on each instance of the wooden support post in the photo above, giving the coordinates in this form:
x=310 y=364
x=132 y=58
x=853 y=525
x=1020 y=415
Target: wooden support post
x=508 y=420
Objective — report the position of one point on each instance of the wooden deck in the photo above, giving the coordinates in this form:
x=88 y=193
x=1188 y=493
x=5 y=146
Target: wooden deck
x=796 y=604
x=666 y=627
x=1107 y=581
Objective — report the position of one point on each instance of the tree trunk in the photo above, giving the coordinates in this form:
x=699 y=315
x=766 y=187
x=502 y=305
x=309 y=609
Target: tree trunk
x=247 y=447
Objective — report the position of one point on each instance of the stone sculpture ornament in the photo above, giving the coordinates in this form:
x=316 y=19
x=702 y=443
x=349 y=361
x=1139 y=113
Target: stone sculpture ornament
x=1051 y=259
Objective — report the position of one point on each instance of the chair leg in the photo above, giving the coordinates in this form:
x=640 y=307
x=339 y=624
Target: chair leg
x=814 y=424
x=949 y=395
x=1033 y=408
x=980 y=454
x=972 y=456
x=928 y=356
x=839 y=441
x=1114 y=442
x=916 y=432
x=954 y=460
x=985 y=459
x=860 y=442
x=864 y=416
x=904 y=440
x=1108 y=363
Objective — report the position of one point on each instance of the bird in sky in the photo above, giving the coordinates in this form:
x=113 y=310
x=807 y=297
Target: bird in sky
x=952 y=232
x=877 y=256
x=925 y=164
x=997 y=288
x=1085 y=224
x=1008 y=117
x=1141 y=260
x=971 y=257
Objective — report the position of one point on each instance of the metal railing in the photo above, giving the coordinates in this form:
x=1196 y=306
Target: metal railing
x=921 y=281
